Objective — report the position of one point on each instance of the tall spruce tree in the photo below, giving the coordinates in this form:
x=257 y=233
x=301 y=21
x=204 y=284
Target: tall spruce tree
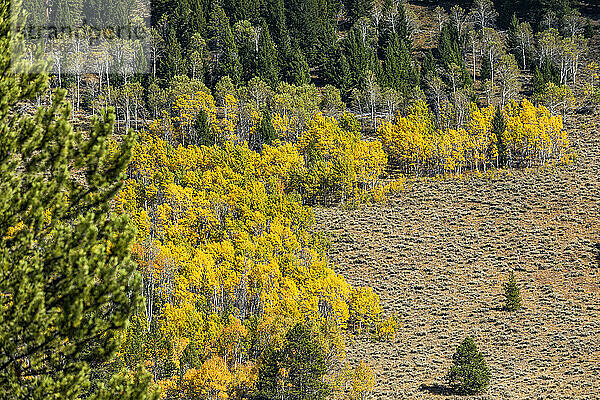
x=245 y=40
x=512 y=293
x=204 y=137
x=297 y=71
x=296 y=370
x=358 y=8
x=274 y=14
x=267 y=130
x=498 y=129
x=360 y=57
x=451 y=53
x=67 y=283
x=223 y=44
x=268 y=68
x=399 y=73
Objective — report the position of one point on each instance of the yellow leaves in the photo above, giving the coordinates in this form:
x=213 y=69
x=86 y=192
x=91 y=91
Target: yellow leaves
x=369 y=161
x=382 y=191
x=13 y=230
x=356 y=382
x=409 y=139
x=532 y=136
x=364 y=308
x=386 y=330
x=187 y=107
x=284 y=125
x=179 y=345
x=230 y=117
x=278 y=162
x=244 y=381
x=227 y=252
x=167 y=387
x=338 y=164
x=215 y=380
x=558 y=98
x=230 y=343
x=211 y=380
x=363 y=381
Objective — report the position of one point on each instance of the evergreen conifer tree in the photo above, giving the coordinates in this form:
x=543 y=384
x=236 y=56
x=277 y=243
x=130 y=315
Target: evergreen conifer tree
x=67 y=283
x=470 y=373
x=173 y=63
x=398 y=70
x=395 y=24
x=202 y=130
x=267 y=130
x=297 y=71
x=498 y=129
x=223 y=43
x=545 y=74
x=512 y=294
x=296 y=370
x=429 y=65
x=247 y=51
x=358 y=8
x=274 y=14
x=267 y=67
x=486 y=69
x=360 y=57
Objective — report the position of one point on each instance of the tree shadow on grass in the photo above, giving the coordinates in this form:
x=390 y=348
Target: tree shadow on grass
x=597 y=247
x=436 y=388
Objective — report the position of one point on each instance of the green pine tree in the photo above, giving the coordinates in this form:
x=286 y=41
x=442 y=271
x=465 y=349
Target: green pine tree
x=274 y=14
x=548 y=72
x=223 y=44
x=485 y=72
x=244 y=38
x=358 y=8
x=297 y=71
x=310 y=22
x=429 y=64
x=267 y=67
x=498 y=129
x=202 y=130
x=67 y=13
x=470 y=373
x=173 y=64
x=360 y=58
x=398 y=70
x=344 y=75
x=67 y=283
x=295 y=371
x=512 y=294
x=451 y=53
x=267 y=130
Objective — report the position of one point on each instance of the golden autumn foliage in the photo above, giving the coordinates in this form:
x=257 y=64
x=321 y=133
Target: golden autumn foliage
x=210 y=381
x=228 y=258
x=363 y=381
x=339 y=165
x=366 y=315
x=335 y=163
x=533 y=136
x=354 y=382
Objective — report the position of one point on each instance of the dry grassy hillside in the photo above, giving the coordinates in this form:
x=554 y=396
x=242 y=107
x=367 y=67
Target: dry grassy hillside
x=438 y=254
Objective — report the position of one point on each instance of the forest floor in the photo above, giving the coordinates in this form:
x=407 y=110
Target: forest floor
x=438 y=253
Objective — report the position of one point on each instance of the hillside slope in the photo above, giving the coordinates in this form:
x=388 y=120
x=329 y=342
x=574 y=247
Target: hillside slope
x=438 y=255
